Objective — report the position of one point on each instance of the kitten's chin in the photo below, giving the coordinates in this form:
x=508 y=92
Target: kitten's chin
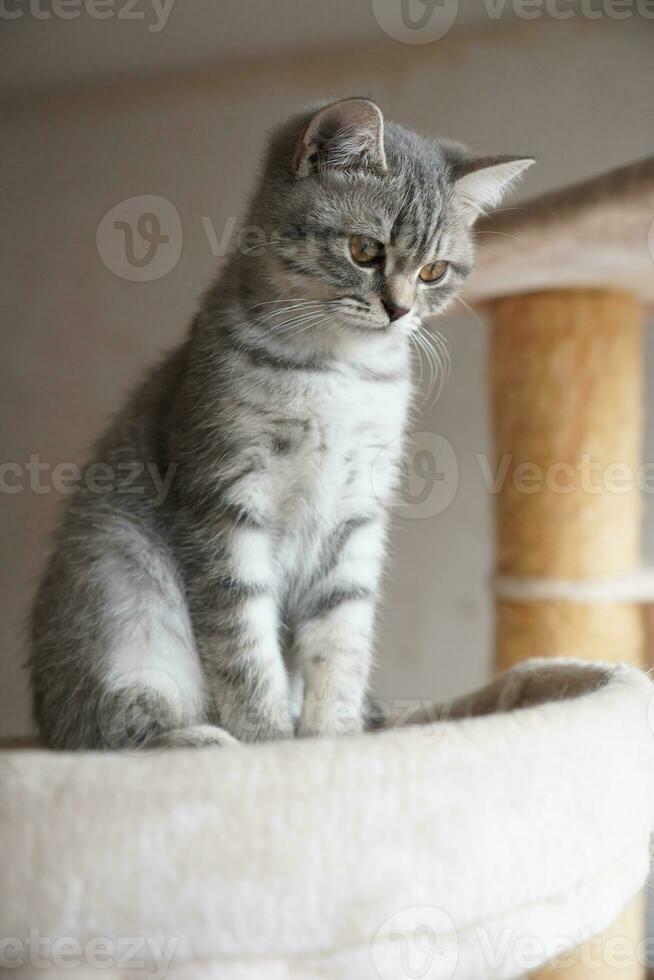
x=401 y=326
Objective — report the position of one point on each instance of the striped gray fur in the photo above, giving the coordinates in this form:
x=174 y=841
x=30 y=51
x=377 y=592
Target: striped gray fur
x=240 y=602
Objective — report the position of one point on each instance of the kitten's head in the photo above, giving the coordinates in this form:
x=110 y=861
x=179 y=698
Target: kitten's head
x=370 y=223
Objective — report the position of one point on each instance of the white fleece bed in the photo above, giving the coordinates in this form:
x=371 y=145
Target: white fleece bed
x=505 y=836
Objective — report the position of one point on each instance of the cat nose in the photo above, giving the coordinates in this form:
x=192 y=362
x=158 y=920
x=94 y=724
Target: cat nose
x=394 y=312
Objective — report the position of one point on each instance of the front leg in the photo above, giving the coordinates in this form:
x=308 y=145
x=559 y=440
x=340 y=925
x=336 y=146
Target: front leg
x=236 y=623
x=335 y=632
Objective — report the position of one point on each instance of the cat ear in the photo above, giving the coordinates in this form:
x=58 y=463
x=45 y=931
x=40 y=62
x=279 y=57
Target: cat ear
x=480 y=184
x=347 y=135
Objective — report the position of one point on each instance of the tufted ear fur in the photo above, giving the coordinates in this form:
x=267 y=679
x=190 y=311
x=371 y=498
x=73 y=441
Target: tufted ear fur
x=481 y=183
x=347 y=135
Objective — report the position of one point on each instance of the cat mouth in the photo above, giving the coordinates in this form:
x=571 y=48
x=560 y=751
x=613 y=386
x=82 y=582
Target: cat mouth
x=357 y=315
x=398 y=324
x=369 y=326
x=365 y=321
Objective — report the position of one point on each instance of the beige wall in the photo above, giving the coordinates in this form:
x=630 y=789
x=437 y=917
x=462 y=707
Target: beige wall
x=75 y=335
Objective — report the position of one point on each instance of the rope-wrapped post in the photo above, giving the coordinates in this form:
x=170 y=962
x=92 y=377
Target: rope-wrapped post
x=566 y=389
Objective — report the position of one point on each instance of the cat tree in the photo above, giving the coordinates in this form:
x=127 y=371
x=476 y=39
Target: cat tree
x=565 y=281
x=483 y=844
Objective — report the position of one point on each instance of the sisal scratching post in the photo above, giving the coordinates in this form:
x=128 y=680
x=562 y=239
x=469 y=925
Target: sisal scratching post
x=566 y=399
x=566 y=388
x=565 y=368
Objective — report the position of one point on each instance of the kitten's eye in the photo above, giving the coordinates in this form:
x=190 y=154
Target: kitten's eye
x=434 y=272
x=365 y=250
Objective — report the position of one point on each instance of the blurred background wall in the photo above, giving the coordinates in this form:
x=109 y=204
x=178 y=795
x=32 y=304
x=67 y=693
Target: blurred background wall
x=174 y=101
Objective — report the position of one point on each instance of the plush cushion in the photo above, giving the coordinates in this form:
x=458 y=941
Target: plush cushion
x=515 y=825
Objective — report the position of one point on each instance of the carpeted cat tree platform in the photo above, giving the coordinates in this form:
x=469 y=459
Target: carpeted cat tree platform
x=511 y=833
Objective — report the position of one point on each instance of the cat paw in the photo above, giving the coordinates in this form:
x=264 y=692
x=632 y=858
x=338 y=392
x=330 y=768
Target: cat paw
x=195 y=736
x=338 y=722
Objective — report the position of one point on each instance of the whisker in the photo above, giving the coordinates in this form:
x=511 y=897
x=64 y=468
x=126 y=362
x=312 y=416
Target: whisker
x=504 y=234
x=470 y=310
x=241 y=252
x=417 y=354
x=437 y=355
x=301 y=319
x=500 y=210
x=438 y=367
x=244 y=251
x=315 y=321
x=284 y=299
x=424 y=351
x=268 y=316
x=445 y=360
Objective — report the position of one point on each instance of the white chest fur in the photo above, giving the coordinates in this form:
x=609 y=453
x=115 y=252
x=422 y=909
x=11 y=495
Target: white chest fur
x=320 y=447
x=344 y=463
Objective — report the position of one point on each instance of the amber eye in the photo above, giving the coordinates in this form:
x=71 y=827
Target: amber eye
x=364 y=250
x=434 y=271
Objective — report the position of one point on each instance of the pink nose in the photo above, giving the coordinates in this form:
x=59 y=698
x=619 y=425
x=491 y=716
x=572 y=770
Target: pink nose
x=394 y=312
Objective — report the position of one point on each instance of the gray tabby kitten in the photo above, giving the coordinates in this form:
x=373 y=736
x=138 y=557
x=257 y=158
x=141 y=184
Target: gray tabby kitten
x=242 y=605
